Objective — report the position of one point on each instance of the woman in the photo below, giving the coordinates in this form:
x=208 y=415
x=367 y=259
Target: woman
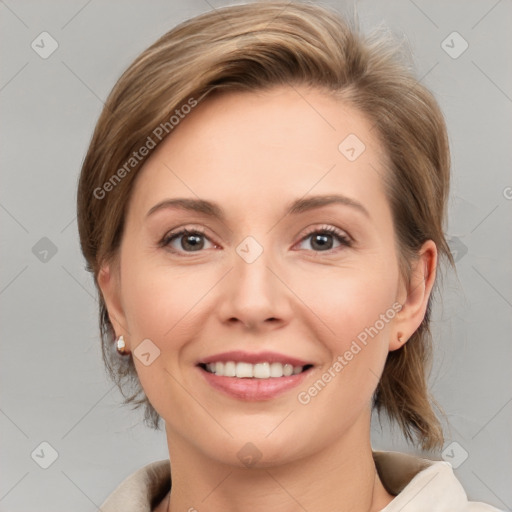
x=262 y=206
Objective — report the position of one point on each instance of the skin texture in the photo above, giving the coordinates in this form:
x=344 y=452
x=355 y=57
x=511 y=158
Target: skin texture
x=252 y=154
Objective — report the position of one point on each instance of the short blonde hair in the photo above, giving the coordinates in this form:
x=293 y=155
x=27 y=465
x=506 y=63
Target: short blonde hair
x=253 y=47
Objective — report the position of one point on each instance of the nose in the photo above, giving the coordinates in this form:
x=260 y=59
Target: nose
x=254 y=294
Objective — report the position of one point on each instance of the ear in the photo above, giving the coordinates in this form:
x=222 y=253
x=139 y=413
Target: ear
x=415 y=295
x=109 y=283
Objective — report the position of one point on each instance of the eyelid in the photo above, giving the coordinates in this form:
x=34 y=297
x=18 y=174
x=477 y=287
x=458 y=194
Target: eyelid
x=330 y=229
x=182 y=230
x=344 y=238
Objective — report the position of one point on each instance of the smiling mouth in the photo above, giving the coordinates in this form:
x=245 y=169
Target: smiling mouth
x=243 y=370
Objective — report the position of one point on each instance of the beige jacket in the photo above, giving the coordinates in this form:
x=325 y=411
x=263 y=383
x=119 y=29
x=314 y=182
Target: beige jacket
x=420 y=485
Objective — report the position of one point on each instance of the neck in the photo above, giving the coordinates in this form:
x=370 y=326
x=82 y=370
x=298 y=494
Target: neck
x=340 y=477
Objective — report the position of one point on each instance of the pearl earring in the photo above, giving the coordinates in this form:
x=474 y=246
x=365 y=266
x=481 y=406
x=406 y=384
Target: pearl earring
x=121 y=345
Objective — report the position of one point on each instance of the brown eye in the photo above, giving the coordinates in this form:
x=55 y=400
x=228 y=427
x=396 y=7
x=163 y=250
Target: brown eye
x=185 y=241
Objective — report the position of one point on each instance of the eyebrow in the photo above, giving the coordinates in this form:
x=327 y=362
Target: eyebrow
x=296 y=207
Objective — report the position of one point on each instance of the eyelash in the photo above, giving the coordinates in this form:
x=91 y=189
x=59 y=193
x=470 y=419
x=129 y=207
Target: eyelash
x=343 y=239
x=330 y=230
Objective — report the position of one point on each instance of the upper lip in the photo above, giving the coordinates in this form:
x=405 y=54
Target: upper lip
x=253 y=358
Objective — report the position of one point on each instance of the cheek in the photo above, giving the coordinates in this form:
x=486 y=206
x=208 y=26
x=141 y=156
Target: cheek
x=161 y=302
x=348 y=299
x=158 y=301
x=160 y=305
x=359 y=313
x=355 y=306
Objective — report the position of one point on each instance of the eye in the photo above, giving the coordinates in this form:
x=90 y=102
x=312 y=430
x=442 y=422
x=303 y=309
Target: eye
x=322 y=238
x=186 y=240
x=194 y=240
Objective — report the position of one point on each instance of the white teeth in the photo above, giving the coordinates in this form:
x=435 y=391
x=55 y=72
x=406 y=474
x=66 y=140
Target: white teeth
x=230 y=369
x=243 y=370
x=262 y=370
x=258 y=371
x=276 y=369
x=287 y=370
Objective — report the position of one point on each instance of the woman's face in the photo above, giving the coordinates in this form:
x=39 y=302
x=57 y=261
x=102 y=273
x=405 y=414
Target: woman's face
x=270 y=272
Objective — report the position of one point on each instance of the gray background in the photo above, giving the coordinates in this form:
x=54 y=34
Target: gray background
x=54 y=388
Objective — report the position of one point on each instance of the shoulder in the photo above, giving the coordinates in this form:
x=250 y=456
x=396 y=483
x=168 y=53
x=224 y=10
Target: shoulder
x=423 y=484
x=141 y=490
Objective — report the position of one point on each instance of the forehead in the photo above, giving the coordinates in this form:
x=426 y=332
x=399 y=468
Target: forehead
x=257 y=148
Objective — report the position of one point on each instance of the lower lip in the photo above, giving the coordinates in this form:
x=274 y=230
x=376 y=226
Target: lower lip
x=252 y=389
